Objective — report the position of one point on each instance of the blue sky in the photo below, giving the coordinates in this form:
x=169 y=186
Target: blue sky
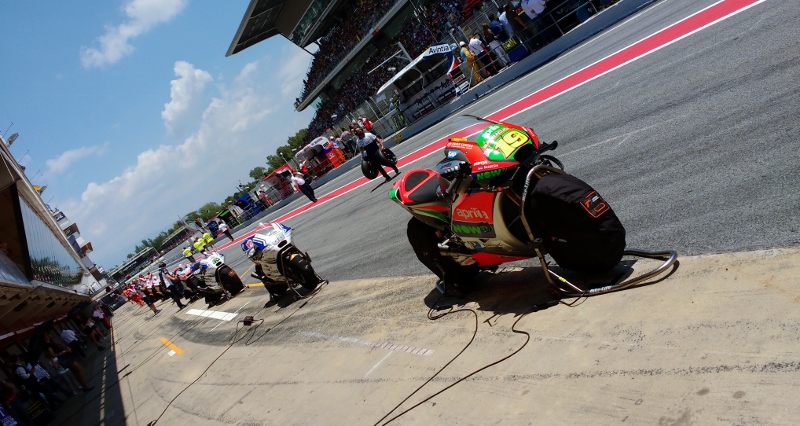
x=132 y=115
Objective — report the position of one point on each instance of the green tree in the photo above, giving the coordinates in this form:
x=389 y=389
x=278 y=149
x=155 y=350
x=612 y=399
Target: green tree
x=209 y=210
x=258 y=173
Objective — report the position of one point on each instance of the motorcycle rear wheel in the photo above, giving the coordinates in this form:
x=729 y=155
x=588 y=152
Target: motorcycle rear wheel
x=304 y=272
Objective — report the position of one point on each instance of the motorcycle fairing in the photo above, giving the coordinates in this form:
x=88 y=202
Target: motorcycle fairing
x=418 y=192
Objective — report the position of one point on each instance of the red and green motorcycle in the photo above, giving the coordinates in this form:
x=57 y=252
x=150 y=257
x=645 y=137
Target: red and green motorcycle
x=501 y=198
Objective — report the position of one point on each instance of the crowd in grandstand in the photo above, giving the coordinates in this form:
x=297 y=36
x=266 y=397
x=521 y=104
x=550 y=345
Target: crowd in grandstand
x=432 y=21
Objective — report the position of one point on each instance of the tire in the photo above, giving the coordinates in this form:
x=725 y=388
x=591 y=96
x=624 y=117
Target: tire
x=233 y=284
x=424 y=242
x=387 y=156
x=368 y=169
x=303 y=271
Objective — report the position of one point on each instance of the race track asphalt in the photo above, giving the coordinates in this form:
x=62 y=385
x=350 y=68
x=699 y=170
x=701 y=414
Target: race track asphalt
x=694 y=146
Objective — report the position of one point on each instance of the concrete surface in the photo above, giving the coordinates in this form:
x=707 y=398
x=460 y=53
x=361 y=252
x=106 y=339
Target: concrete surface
x=714 y=343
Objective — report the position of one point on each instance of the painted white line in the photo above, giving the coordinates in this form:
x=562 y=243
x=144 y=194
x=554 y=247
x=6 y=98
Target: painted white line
x=383 y=345
x=224 y=316
x=379 y=363
x=234 y=314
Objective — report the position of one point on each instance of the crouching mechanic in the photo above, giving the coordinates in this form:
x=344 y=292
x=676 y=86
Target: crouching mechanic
x=370 y=147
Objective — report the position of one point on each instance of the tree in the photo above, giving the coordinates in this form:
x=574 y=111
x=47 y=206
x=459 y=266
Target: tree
x=209 y=210
x=258 y=173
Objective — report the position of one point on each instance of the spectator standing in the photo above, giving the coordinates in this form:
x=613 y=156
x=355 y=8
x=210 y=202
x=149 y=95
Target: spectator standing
x=172 y=283
x=468 y=58
x=65 y=357
x=223 y=227
x=477 y=48
x=199 y=224
x=540 y=16
x=370 y=146
x=73 y=343
x=150 y=296
x=365 y=123
x=302 y=186
x=499 y=36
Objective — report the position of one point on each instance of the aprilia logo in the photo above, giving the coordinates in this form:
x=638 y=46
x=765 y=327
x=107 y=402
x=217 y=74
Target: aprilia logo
x=473 y=213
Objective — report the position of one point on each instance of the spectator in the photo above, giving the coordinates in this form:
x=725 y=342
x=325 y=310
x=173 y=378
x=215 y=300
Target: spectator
x=540 y=16
x=223 y=227
x=173 y=284
x=100 y=317
x=468 y=58
x=70 y=338
x=91 y=331
x=199 y=224
x=36 y=379
x=65 y=357
x=302 y=186
x=477 y=48
x=495 y=31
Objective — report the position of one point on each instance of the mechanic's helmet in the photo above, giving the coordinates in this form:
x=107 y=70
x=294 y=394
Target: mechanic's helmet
x=195 y=266
x=162 y=265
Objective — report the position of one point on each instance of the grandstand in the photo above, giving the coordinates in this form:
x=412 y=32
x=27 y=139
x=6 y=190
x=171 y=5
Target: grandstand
x=360 y=44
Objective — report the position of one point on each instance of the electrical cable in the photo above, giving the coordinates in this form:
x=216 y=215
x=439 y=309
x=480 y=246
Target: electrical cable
x=475 y=332
x=232 y=342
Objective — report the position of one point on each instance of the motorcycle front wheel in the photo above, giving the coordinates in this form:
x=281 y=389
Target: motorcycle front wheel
x=425 y=243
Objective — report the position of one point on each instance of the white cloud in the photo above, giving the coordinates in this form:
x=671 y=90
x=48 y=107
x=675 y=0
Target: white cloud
x=185 y=93
x=242 y=124
x=67 y=158
x=294 y=63
x=142 y=16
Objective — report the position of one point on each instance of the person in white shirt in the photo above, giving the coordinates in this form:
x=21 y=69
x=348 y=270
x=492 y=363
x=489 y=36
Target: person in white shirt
x=370 y=147
x=540 y=16
x=223 y=227
x=71 y=340
x=302 y=186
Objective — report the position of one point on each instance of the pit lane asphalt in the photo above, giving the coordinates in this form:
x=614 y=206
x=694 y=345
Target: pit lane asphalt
x=695 y=148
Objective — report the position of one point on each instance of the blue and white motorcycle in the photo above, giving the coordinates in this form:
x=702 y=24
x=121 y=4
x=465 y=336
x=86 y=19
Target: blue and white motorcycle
x=279 y=263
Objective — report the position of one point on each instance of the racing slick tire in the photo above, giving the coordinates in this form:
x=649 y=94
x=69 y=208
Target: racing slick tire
x=229 y=280
x=304 y=272
x=368 y=169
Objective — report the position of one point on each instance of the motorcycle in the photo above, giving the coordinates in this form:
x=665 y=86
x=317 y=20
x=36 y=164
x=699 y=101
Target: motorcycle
x=278 y=262
x=500 y=199
x=218 y=282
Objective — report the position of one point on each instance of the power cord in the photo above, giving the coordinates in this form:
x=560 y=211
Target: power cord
x=248 y=319
x=449 y=311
